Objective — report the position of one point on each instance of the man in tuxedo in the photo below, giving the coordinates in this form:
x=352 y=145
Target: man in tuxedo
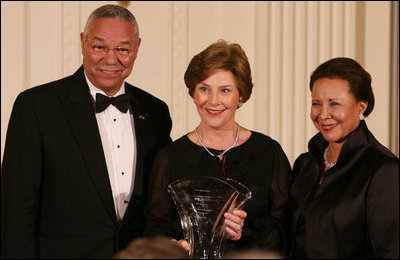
x=78 y=151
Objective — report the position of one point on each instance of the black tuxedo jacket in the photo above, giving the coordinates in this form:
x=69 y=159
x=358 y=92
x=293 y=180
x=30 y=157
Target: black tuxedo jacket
x=56 y=199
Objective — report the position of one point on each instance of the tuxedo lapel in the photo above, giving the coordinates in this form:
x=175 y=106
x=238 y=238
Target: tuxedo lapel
x=144 y=138
x=79 y=110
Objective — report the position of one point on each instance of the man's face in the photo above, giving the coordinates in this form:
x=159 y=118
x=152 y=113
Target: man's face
x=109 y=52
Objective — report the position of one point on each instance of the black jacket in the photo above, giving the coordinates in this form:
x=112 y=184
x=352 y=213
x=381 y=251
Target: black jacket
x=354 y=213
x=56 y=199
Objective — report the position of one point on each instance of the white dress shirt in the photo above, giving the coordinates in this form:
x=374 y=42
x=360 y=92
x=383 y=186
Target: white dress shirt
x=117 y=133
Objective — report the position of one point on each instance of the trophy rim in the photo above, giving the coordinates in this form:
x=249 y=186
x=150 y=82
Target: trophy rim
x=228 y=181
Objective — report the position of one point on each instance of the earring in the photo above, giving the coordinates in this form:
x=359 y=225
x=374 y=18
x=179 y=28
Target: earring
x=240 y=104
x=361 y=116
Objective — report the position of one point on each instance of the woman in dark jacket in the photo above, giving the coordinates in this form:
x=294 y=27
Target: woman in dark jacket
x=344 y=195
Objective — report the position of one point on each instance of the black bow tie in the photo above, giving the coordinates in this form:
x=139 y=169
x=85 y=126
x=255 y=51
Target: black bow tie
x=121 y=102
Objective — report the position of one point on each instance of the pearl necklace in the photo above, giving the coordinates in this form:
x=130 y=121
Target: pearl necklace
x=227 y=149
x=328 y=164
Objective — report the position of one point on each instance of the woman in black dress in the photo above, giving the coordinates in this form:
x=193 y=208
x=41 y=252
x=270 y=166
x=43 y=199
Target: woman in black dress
x=344 y=196
x=219 y=81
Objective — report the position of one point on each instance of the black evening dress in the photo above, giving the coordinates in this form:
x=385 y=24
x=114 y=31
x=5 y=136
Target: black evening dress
x=259 y=163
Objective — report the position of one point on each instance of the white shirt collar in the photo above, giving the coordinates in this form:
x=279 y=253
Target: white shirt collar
x=94 y=90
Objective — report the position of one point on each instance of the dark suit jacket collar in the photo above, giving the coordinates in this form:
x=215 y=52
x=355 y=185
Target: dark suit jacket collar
x=137 y=108
x=78 y=88
x=79 y=111
x=360 y=140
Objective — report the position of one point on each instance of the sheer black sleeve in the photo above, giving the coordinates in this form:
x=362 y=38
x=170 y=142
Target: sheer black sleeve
x=266 y=171
x=160 y=212
x=279 y=198
x=269 y=223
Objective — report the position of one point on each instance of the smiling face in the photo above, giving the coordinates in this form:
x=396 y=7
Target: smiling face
x=107 y=71
x=216 y=100
x=335 y=111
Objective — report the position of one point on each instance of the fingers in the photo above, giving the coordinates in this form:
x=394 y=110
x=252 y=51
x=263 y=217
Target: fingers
x=182 y=243
x=240 y=213
x=234 y=223
x=236 y=218
x=233 y=234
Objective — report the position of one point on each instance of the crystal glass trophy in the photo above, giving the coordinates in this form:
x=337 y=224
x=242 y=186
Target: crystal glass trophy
x=201 y=202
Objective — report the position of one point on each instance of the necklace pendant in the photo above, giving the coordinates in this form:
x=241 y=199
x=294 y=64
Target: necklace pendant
x=325 y=156
x=219 y=156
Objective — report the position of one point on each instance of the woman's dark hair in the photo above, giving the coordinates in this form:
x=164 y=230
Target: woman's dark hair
x=221 y=55
x=349 y=70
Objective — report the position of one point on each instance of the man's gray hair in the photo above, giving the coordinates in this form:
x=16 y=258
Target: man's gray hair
x=111 y=11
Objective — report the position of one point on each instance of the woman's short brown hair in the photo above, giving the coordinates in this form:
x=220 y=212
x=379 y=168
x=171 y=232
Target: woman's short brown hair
x=350 y=70
x=221 y=55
